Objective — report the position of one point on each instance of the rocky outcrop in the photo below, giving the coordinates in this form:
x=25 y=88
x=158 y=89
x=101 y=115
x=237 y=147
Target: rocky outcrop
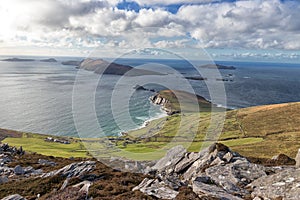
x=219 y=173
x=7 y=150
x=7 y=155
x=73 y=170
x=298 y=159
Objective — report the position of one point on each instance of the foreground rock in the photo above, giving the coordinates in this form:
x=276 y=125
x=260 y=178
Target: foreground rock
x=219 y=173
x=283 y=185
x=73 y=170
x=154 y=187
x=205 y=189
x=14 y=197
x=7 y=155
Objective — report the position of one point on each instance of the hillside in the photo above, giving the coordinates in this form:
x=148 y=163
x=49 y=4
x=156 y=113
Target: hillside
x=262 y=131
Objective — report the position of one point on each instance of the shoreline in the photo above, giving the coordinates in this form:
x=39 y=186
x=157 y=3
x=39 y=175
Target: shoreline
x=160 y=115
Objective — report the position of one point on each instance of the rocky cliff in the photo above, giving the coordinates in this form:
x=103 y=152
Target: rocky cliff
x=164 y=103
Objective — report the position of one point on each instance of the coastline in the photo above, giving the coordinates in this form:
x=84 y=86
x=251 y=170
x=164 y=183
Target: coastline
x=160 y=115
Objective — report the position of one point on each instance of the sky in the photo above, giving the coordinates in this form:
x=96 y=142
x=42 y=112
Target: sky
x=227 y=30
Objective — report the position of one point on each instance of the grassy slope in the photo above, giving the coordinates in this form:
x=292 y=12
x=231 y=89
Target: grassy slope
x=262 y=131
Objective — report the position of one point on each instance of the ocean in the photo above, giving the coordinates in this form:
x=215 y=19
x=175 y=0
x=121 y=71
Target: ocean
x=39 y=96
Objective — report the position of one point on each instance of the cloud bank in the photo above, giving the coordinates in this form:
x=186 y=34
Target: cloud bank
x=244 y=24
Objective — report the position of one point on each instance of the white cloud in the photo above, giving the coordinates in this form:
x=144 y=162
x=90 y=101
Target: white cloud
x=170 y=2
x=248 y=24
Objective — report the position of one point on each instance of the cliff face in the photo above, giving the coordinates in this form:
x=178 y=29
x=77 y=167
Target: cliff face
x=164 y=103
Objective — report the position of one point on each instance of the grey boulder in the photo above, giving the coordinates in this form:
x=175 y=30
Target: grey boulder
x=18 y=170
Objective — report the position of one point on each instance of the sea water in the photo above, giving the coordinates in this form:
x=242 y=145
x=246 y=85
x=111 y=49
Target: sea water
x=38 y=96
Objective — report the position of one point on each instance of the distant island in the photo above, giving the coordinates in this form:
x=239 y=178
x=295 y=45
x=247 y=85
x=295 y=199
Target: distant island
x=72 y=62
x=100 y=66
x=217 y=66
x=18 y=60
x=196 y=78
x=49 y=60
x=28 y=60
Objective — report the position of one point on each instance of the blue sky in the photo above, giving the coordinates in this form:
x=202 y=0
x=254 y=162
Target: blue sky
x=227 y=30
